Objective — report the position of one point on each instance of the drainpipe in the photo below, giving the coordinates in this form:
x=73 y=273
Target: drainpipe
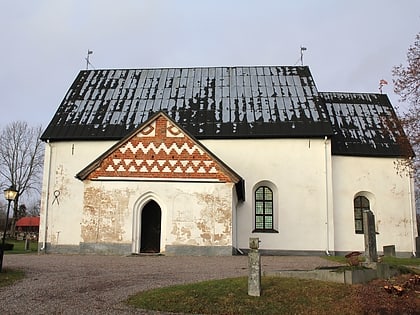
x=236 y=227
x=235 y=224
x=413 y=215
x=44 y=245
x=327 y=197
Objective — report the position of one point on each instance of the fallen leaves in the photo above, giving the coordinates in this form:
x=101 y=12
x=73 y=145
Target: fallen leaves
x=413 y=283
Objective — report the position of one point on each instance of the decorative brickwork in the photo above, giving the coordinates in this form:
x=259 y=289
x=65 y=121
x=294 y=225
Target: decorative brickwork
x=160 y=149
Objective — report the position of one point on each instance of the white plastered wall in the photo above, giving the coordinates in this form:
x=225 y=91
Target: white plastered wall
x=390 y=200
x=62 y=193
x=193 y=213
x=308 y=216
x=300 y=169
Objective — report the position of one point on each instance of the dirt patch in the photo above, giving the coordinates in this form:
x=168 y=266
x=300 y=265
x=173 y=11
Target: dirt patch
x=373 y=298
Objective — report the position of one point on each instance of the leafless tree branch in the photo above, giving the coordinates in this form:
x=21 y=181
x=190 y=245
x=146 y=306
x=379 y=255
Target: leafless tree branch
x=21 y=159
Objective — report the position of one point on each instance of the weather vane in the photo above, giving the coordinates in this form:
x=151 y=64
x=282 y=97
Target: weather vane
x=89 y=52
x=382 y=82
x=302 y=49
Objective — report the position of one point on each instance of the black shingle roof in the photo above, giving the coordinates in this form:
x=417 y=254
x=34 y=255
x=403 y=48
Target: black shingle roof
x=364 y=125
x=223 y=102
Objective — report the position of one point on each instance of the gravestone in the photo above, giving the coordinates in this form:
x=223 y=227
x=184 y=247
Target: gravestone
x=389 y=251
x=371 y=252
x=254 y=266
x=27 y=243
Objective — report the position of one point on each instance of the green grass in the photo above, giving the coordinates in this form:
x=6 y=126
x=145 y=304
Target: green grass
x=230 y=296
x=10 y=276
x=19 y=247
x=403 y=265
x=279 y=295
x=338 y=259
x=402 y=261
x=389 y=260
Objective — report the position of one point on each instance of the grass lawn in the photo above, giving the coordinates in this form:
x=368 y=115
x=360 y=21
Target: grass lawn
x=394 y=261
x=9 y=276
x=282 y=296
x=19 y=247
x=415 y=262
x=230 y=296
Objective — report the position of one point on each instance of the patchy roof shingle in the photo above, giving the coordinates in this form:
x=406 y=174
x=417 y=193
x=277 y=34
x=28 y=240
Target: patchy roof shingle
x=220 y=102
x=227 y=102
x=364 y=124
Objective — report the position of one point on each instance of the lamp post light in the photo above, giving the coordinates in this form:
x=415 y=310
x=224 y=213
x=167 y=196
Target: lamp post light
x=10 y=195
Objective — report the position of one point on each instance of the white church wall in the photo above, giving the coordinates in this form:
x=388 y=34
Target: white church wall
x=300 y=170
x=62 y=193
x=390 y=201
x=100 y=215
x=194 y=214
x=310 y=215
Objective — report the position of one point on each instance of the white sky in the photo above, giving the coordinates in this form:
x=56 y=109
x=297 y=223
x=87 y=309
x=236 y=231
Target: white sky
x=351 y=45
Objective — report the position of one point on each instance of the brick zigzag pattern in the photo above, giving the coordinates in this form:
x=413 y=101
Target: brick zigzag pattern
x=164 y=165
x=160 y=147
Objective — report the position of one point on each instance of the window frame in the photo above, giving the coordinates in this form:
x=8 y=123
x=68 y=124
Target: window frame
x=266 y=204
x=358 y=212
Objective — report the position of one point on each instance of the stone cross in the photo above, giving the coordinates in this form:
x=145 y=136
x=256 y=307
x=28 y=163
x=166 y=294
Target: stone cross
x=254 y=266
x=371 y=253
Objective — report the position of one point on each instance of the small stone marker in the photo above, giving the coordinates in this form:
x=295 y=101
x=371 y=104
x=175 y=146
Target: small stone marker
x=389 y=250
x=371 y=252
x=254 y=265
x=27 y=243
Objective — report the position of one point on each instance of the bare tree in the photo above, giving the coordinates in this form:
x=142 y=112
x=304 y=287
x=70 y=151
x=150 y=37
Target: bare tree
x=407 y=86
x=21 y=211
x=418 y=221
x=33 y=209
x=21 y=160
x=2 y=214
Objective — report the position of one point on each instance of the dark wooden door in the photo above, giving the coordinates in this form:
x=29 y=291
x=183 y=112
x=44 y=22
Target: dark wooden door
x=150 y=228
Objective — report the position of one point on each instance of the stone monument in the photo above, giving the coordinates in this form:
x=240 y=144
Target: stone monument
x=254 y=266
x=371 y=253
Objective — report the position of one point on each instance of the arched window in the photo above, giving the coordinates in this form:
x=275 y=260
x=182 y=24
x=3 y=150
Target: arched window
x=264 y=209
x=361 y=203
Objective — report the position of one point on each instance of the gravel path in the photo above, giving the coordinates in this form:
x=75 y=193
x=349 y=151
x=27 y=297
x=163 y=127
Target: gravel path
x=76 y=284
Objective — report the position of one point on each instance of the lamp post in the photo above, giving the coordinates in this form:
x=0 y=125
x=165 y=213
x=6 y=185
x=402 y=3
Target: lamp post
x=10 y=195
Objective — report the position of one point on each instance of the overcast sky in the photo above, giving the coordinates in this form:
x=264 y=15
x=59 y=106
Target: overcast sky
x=351 y=45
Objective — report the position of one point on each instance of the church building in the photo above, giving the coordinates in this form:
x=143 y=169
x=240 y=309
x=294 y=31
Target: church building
x=195 y=161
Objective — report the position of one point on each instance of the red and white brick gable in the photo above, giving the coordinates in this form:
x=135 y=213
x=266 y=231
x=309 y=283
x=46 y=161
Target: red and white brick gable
x=159 y=150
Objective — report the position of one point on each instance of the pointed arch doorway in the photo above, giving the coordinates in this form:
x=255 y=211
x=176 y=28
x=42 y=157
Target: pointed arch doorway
x=151 y=216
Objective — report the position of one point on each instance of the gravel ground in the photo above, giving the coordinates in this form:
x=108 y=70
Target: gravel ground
x=88 y=284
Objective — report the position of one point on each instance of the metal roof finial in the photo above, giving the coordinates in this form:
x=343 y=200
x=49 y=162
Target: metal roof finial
x=382 y=82
x=89 y=52
x=302 y=49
